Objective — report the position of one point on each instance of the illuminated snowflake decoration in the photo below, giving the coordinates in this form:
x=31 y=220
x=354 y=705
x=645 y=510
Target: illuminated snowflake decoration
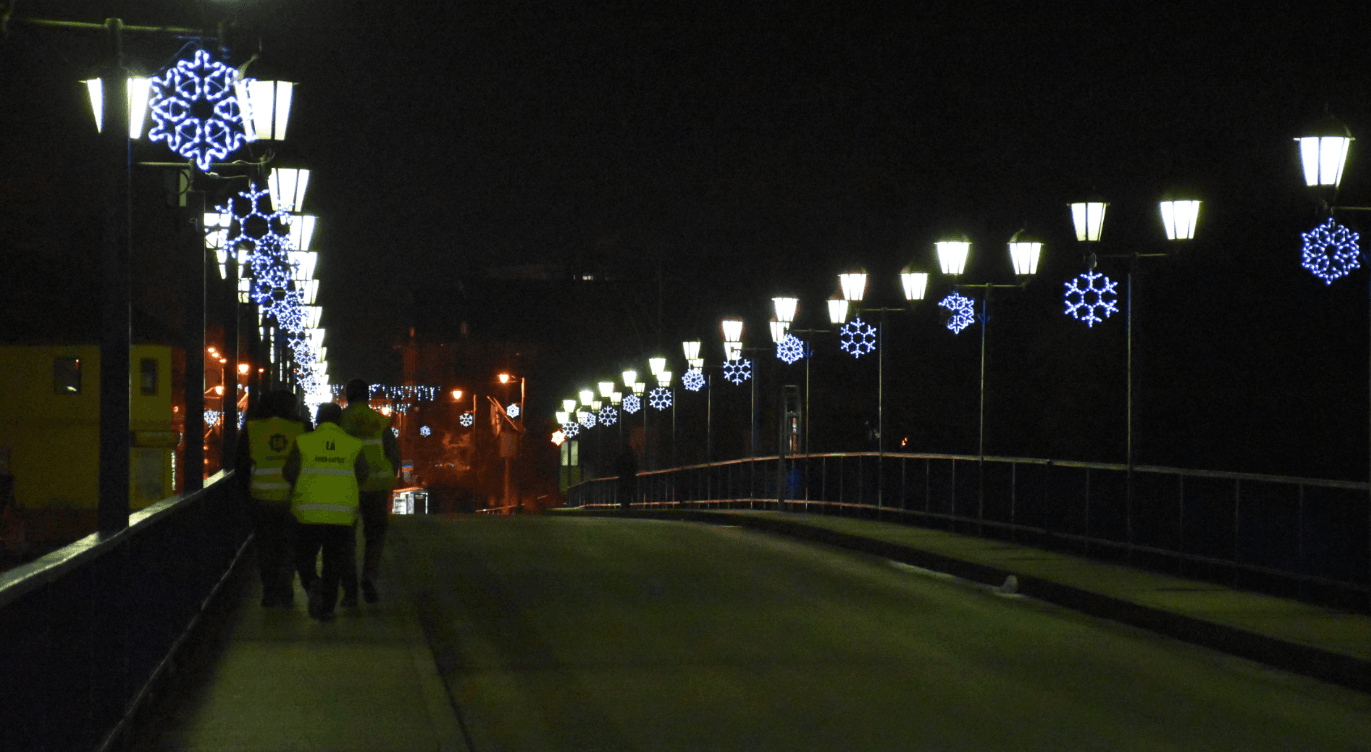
x=737 y=371
x=558 y=437
x=467 y=420
x=608 y=415
x=659 y=398
x=1090 y=295
x=242 y=420
x=512 y=411
x=394 y=431
x=1331 y=251
x=858 y=338
x=212 y=418
x=195 y=111
x=288 y=308
x=571 y=429
x=260 y=232
x=963 y=311
x=790 y=349
x=425 y=430
x=694 y=380
x=632 y=404
x=588 y=419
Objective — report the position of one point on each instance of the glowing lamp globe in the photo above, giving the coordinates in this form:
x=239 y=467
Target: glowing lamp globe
x=587 y=396
x=785 y=309
x=569 y=405
x=606 y=389
x=265 y=107
x=1323 y=152
x=138 y=92
x=691 y=349
x=638 y=388
x=287 y=187
x=1024 y=254
x=837 y=310
x=914 y=284
x=630 y=377
x=733 y=330
x=952 y=254
x=779 y=329
x=1179 y=218
x=664 y=379
x=655 y=365
x=853 y=285
x=563 y=417
x=1088 y=217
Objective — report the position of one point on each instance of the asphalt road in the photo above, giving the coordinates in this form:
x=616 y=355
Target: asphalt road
x=555 y=633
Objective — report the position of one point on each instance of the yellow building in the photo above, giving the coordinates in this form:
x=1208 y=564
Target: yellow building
x=50 y=430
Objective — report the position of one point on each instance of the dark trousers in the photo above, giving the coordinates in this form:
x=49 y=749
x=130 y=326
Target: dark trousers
x=273 y=527
x=339 y=544
x=375 y=509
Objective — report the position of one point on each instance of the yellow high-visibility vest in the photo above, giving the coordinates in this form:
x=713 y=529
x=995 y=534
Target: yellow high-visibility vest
x=368 y=425
x=268 y=444
x=326 y=491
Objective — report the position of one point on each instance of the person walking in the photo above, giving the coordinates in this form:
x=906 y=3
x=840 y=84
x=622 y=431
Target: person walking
x=325 y=469
x=383 y=457
x=262 y=450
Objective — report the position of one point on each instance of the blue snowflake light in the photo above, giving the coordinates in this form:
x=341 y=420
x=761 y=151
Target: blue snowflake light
x=632 y=404
x=195 y=111
x=588 y=419
x=467 y=420
x=858 y=338
x=694 y=379
x=394 y=431
x=512 y=411
x=608 y=415
x=963 y=311
x=212 y=418
x=659 y=398
x=571 y=428
x=738 y=370
x=1330 y=251
x=790 y=349
x=425 y=430
x=1090 y=295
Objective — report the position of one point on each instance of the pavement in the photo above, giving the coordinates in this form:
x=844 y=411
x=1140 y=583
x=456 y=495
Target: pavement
x=276 y=679
x=1322 y=643
x=368 y=680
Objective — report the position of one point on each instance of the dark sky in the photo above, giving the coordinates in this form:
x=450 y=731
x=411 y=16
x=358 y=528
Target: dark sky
x=708 y=155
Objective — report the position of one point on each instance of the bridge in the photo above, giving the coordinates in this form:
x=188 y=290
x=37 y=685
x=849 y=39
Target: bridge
x=696 y=623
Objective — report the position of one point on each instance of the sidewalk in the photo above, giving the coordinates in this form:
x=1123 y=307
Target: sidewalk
x=280 y=680
x=1329 y=645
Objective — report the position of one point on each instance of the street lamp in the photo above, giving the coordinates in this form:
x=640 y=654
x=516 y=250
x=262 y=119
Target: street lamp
x=1180 y=216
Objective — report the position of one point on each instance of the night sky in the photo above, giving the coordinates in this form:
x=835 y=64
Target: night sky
x=698 y=158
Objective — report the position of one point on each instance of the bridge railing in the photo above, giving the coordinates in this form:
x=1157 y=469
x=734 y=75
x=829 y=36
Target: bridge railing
x=1296 y=537
x=85 y=629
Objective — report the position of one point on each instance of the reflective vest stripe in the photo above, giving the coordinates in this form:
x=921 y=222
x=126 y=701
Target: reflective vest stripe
x=269 y=441
x=344 y=508
x=325 y=471
x=366 y=424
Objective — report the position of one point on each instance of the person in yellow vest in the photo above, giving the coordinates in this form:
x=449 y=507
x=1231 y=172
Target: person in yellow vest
x=325 y=470
x=383 y=457
x=262 y=449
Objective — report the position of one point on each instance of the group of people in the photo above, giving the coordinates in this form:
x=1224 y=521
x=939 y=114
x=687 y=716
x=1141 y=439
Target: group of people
x=308 y=487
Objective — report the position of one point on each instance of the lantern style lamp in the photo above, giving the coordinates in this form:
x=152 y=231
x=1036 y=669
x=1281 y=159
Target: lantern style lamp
x=786 y=307
x=1023 y=254
x=1088 y=217
x=606 y=389
x=301 y=231
x=837 y=310
x=265 y=107
x=853 y=285
x=616 y=399
x=587 y=397
x=630 y=377
x=691 y=348
x=569 y=405
x=1179 y=217
x=952 y=254
x=139 y=89
x=664 y=379
x=778 y=330
x=655 y=365
x=914 y=284
x=639 y=387
x=563 y=417
x=287 y=188
x=733 y=330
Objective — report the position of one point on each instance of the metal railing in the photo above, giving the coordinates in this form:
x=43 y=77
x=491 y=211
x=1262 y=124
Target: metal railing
x=1295 y=537
x=86 y=629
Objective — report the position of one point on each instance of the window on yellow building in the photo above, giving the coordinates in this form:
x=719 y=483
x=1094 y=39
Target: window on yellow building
x=66 y=375
x=147 y=376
